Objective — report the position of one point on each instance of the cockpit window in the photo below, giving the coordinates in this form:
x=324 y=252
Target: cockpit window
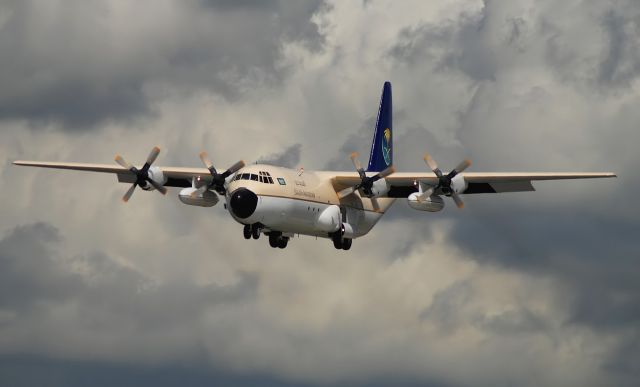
x=254 y=177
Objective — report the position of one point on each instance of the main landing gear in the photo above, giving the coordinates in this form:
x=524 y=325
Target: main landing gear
x=276 y=239
x=339 y=242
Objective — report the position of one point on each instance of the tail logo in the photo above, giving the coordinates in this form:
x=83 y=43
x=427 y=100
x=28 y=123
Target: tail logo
x=386 y=146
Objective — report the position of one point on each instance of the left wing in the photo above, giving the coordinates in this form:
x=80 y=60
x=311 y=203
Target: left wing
x=402 y=184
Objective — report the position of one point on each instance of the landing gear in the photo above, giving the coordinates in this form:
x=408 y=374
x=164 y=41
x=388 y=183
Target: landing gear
x=276 y=240
x=255 y=231
x=252 y=230
x=339 y=242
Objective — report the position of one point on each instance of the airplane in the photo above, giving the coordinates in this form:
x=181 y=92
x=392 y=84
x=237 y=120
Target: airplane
x=341 y=206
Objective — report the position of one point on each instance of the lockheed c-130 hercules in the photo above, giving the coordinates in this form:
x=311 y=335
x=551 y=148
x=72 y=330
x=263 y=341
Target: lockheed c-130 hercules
x=282 y=202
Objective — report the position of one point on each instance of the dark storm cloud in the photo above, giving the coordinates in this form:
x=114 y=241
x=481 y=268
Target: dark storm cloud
x=289 y=158
x=36 y=276
x=84 y=64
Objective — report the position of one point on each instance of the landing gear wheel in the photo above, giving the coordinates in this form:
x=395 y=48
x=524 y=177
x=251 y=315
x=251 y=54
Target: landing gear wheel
x=273 y=240
x=346 y=243
x=255 y=231
x=337 y=241
x=282 y=242
x=247 y=231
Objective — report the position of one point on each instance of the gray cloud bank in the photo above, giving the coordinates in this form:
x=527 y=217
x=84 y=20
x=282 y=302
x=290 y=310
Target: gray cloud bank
x=518 y=289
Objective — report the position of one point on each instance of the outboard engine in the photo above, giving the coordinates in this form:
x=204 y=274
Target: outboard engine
x=157 y=176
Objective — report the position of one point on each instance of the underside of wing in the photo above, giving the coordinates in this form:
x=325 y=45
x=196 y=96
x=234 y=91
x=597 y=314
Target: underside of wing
x=176 y=176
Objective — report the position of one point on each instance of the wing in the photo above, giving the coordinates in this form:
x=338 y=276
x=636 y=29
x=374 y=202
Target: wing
x=176 y=176
x=402 y=184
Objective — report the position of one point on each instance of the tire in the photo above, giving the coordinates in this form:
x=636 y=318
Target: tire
x=346 y=243
x=247 y=231
x=337 y=243
x=282 y=242
x=255 y=231
x=273 y=240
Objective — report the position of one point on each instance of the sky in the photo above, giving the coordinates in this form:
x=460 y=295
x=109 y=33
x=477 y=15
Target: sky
x=529 y=289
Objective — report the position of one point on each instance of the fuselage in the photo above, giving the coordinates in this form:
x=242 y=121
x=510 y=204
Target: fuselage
x=293 y=201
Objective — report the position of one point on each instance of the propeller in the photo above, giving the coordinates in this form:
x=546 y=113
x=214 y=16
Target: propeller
x=444 y=181
x=366 y=182
x=142 y=174
x=218 y=178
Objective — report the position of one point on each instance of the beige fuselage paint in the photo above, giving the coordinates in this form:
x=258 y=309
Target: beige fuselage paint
x=294 y=207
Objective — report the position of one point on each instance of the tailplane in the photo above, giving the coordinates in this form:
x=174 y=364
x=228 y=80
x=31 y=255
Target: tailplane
x=381 y=156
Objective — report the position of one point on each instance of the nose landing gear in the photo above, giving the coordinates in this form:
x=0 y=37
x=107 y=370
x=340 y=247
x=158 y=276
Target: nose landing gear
x=252 y=230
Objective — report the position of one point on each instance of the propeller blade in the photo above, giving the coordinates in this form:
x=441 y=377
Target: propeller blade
x=204 y=156
x=466 y=163
x=425 y=194
x=356 y=163
x=233 y=169
x=157 y=186
x=198 y=192
x=129 y=192
x=456 y=198
x=346 y=192
x=153 y=155
x=123 y=163
x=386 y=172
x=430 y=162
x=375 y=204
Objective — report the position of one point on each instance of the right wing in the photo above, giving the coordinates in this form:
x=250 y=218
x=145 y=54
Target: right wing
x=176 y=176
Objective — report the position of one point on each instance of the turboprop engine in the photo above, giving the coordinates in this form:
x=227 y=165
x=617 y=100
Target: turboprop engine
x=433 y=203
x=157 y=176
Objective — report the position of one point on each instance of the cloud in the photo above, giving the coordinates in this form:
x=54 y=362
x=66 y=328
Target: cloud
x=80 y=65
x=289 y=158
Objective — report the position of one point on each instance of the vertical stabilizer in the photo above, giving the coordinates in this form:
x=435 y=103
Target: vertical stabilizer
x=381 y=155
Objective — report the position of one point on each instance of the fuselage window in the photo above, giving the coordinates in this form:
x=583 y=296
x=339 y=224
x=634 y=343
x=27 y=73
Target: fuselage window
x=281 y=181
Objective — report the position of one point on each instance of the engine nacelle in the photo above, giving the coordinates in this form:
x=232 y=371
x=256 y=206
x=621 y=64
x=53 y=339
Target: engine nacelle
x=330 y=219
x=458 y=184
x=205 y=199
x=379 y=188
x=433 y=203
x=156 y=175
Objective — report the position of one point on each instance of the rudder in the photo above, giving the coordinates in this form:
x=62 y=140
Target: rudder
x=381 y=156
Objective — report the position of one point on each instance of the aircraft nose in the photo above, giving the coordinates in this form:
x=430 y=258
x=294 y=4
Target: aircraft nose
x=243 y=203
